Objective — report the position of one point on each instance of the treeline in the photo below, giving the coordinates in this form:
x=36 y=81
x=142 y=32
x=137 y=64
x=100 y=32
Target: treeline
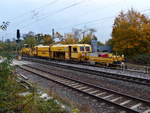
x=32 y=39
x=7 y=48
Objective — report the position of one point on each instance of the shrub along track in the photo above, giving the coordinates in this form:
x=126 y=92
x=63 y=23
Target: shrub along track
x=121 y=101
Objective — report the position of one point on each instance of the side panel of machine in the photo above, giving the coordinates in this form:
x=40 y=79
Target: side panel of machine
x=59 y=52
x=26 y=52
x=43 y=51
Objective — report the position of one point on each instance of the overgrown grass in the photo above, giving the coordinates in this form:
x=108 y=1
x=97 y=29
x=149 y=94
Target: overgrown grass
x=8 y=87
x=12 y=102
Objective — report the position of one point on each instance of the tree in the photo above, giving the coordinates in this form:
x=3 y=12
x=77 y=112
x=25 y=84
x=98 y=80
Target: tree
x=109 y=43
x=39 y=38
x=7 y=48
x=100 y=43
x=47 y=39
x=86 y=40
x=30 y=41
x=70 y=39
x=131 y=33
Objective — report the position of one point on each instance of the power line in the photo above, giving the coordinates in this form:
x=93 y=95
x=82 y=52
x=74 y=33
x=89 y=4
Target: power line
x=88 y=22
x=61 y=10
x=32 y=11
x=72 y=6
x=96 y=20
x=56 y=12
x=104 y=7
x=41 y=7
x=36 y=10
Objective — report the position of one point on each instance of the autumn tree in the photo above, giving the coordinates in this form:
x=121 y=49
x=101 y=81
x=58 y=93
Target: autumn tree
x=131 y=33
x=86 y=40
x=47 y=39
x=109 y=42
x=69 y=39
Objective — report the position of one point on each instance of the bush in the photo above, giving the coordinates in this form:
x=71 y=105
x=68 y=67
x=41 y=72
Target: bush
x=12 y=102
x=143 y=59
x=39 y=105
x=8 y=87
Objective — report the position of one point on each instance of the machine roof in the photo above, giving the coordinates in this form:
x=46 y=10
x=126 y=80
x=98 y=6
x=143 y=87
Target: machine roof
x=61 y=45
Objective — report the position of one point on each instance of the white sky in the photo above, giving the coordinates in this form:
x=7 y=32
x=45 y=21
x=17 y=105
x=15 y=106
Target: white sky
x=40 y=16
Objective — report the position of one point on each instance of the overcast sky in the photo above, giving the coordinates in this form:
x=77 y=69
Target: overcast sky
x=40 y=16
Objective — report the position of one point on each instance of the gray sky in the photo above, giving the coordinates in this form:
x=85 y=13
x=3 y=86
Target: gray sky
x=40 y=16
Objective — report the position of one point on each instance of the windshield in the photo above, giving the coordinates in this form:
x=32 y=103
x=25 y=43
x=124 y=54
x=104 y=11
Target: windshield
x=87 y=48
x=82 y=48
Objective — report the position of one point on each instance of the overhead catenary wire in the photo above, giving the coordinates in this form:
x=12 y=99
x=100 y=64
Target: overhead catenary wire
x=39 y=8
x=75 y=25
x=51 y=3
x=88 y=22
x=23 y=17
x=64 y=8
x=44 y=17
x=54 y=13
x=96 y=20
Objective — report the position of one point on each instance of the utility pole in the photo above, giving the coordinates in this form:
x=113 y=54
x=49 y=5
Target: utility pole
x=2 y=38
x=53 y=33
x=18 y=42
x=83 y=34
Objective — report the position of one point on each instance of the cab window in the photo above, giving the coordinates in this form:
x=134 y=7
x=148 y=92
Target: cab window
x=87 y=48
x=81 y=48
x=75 y=50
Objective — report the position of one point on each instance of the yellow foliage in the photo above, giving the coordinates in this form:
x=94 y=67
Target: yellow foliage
x=70 y=39
x=131 y=33
x=86 y=40
x=47 y=39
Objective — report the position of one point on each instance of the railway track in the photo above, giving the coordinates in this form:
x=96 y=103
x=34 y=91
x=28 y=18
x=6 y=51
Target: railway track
x=137 y=80
x=106 y=67
x=124 y=102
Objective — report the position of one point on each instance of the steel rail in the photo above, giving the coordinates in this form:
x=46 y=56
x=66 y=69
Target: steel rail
x=116 y=76
x=31 y=68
